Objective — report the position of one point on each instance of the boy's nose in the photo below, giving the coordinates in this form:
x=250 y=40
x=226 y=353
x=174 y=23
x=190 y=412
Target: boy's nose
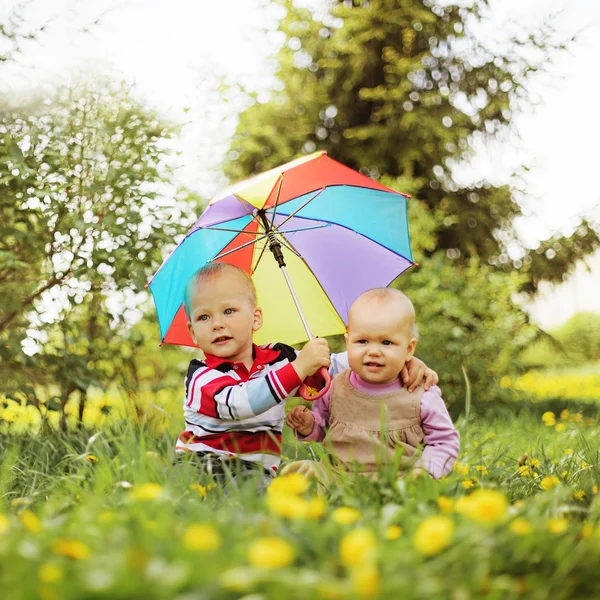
x=373 y=350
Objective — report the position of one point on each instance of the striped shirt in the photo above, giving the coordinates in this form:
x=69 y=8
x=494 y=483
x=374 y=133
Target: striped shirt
x=229 y=410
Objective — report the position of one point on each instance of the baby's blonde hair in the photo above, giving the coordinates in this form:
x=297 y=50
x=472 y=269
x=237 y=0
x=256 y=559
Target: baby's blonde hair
x=215 y=269
x=388 y=295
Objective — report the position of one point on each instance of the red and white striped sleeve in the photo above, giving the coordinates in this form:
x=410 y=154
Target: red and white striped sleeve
x=221 y=396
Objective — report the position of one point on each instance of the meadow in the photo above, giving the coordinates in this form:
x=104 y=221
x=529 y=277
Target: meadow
x=101 y=513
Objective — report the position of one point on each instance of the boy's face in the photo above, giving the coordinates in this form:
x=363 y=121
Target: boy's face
x=223 y=318
x=379 y=341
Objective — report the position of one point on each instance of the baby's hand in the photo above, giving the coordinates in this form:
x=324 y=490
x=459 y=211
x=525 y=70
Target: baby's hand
x=301 y=420
x=415 y=372
x=312 y=357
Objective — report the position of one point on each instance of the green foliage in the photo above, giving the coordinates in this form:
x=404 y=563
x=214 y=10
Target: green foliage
x=83 y=227
x=576 y=342
x=408 y=89
x=466 y=319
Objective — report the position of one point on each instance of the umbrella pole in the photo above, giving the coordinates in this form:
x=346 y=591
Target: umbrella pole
x=297 y=303
x=275 y=248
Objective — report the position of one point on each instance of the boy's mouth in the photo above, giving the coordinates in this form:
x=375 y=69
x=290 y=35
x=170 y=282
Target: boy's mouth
x=221 y=339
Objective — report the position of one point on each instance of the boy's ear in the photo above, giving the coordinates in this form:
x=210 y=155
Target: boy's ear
x=346 y=337
x=410 y=351
x=191 y=332
x=258 y=319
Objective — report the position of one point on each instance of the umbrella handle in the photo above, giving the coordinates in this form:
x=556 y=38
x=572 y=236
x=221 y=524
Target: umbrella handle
x=310 y=393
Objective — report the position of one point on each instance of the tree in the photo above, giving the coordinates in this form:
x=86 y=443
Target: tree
x=83 y=222
x=407 y=89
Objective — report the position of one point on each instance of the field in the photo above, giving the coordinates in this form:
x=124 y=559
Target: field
x=105 y=515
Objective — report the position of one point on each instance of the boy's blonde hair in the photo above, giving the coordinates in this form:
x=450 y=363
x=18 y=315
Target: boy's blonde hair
x=215 y=269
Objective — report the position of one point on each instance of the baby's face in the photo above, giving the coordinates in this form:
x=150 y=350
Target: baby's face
x=223 y=317
x=379 y=341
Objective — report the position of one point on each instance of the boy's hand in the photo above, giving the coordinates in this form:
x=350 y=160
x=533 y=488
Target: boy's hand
x=301 y=420
x=415 y=372
x=312 y=357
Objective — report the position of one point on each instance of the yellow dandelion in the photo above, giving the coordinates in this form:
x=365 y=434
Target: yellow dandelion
x=549 y=419
x=584 y=465
x=393 y=532
x=357 y=547
x=461 y=468
x=433 y=535
x=91 y=458
x=289 y=485
x=201 y=537
x=316 y=507
x=467 y=484
x=445 y=504
x=4 y=524
x=594 y=489
x=289 y=507
x=486 y=506
x=564 y=474
x=524 y=471
x=482 y=470
x=366 y=581
x=564 y=415
x=20 y=502
x=534 y=462
x=560 y=427
x=200 y=489
x=30 y=521
x=505 y=382
x=557 y=526
x=346 y=515
x=71 y=548
x=490 y=435
x=50 y=573
x=146 y=492
x=549 y=482
x=587 y=530
x=579 y=494
x=568 y=451
x=270 y=553
x=520 y=527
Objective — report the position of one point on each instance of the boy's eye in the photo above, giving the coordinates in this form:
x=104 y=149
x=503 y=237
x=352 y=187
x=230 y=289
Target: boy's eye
x=203 y=318
x=361 y=342
x=229 y=311
x=386 y=342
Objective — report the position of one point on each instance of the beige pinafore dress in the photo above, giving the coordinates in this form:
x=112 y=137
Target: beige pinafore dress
x=368 y=429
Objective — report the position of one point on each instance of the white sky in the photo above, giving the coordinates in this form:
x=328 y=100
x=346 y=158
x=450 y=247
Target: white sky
x=176 y=50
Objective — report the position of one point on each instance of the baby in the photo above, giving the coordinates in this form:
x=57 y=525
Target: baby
x=381 y=337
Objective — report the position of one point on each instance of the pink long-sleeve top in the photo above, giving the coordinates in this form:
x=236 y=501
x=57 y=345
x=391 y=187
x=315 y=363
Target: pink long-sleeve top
x=441 y=442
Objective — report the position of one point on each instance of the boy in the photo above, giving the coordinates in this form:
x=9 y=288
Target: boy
x=234 y=404
x=381 y=337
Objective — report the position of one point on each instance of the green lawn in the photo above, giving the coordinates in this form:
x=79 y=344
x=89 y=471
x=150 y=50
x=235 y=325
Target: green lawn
x=107 y=517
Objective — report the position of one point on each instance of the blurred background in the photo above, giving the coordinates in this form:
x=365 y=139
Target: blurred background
x=120 y=119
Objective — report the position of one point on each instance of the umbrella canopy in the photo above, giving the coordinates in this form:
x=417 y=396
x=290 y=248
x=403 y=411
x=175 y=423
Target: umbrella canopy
x=340 y=232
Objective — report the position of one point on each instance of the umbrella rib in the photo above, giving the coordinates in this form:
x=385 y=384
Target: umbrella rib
x=231 y=230
x=238 y=248
x=300 y=208
x=277 y=199
x=277 y=230
x=260 y=255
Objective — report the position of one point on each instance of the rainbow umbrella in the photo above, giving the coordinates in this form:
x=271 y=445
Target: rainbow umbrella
x=333 y=232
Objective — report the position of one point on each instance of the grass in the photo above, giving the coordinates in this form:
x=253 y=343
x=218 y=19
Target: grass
x=107 y=516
